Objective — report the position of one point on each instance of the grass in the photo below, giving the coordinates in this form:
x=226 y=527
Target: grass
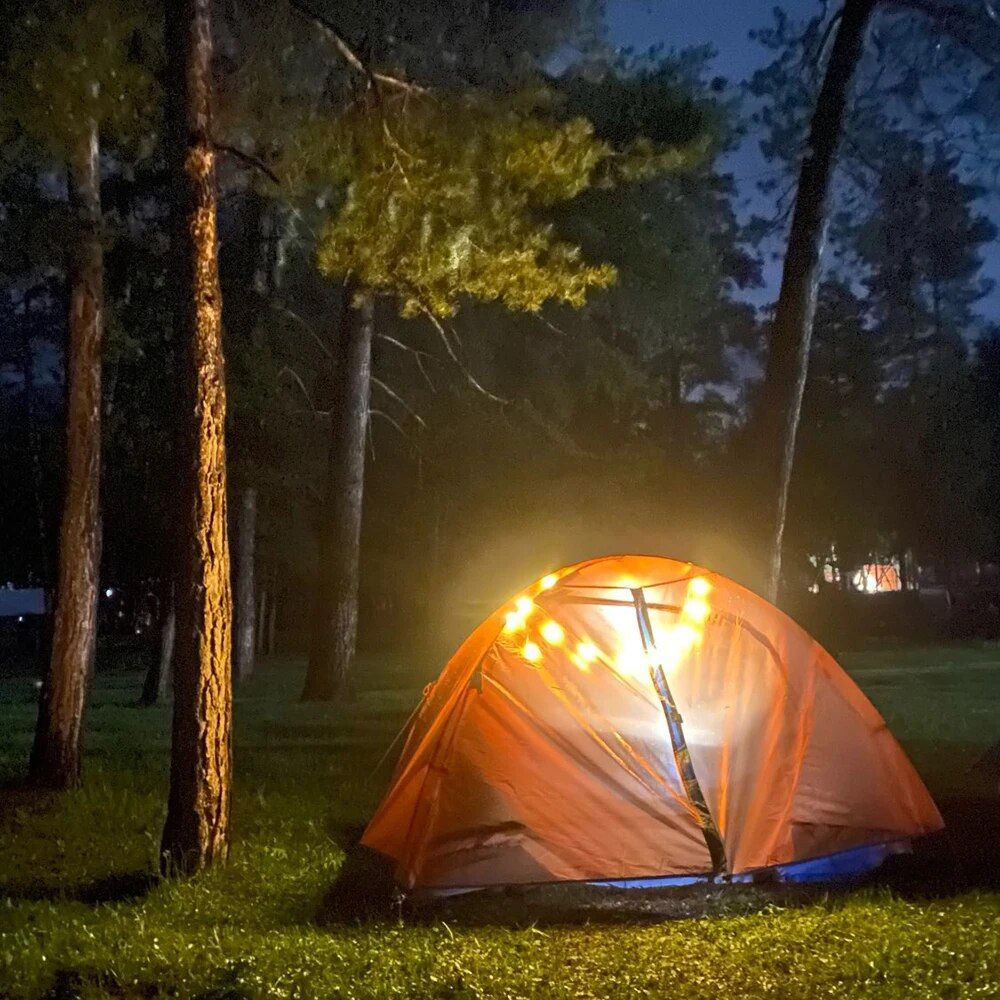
x=80 y=915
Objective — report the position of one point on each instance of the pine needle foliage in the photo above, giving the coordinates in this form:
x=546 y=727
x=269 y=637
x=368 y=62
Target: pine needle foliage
x=70 y=65
x=447 y=195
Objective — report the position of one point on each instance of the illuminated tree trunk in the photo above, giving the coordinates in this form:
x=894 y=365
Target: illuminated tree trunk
x=777 y=417
x=196 y=833
x=336 y=621
x=55 y=755
x=246 y=536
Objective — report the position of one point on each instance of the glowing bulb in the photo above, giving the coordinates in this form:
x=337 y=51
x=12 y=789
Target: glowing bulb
x=684 y=635
x=632 y=663
x=513 y=621
x=695 y=609
x=523 y=604
x=552 y=632
x=699 y=587
x=587 y=652
x=547 y=582
x=531 y=652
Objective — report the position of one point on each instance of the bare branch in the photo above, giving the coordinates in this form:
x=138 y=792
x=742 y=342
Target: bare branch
x=418 y=356
x=308 y=327
x=350 y=57
x=288 y=370
x=248 y=159
x=392 y=394
x=373 y=412
x=469 y=377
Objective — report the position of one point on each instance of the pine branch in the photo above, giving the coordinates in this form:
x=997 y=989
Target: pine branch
x=962 y=24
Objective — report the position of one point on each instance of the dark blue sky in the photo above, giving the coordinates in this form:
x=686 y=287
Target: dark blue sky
x=725 y=25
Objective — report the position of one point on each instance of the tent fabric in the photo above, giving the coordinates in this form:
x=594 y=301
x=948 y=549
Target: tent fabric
x=544 y=751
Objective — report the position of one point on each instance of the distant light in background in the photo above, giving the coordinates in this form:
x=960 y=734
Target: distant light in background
x=110 y=592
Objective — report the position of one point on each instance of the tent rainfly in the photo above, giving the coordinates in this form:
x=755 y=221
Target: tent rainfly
x=639 y=721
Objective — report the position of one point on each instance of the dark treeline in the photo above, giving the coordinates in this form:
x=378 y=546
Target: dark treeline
x=481 y=321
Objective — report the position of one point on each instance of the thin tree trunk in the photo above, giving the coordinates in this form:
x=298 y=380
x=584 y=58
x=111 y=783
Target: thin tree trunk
x=55 y=756
x=777 y=417
x=154 y=688
x=196 y=833
x=246 y=534
x=272 y=625
x=336 y=621
x=261 y=621
x=34 y=448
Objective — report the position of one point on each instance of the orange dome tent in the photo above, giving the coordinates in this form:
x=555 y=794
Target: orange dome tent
x=640 y=720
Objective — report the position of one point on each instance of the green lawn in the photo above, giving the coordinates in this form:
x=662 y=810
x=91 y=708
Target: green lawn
x=81 y=917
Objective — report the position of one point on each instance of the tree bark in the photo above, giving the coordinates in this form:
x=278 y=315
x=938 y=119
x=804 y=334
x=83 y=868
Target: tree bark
x=196 y=833
x=55 y=755
x=246 y=535
x=336 y=619
x=777 y=416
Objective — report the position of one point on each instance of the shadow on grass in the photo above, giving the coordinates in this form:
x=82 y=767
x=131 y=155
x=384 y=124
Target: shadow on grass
x=959 y=859
x=74 y=984
x=116 y=887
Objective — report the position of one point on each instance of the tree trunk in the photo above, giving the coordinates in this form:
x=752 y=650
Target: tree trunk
x=34 y=449
x=777 y=417
x=55 y=755
x=261 y=621
x=336 y=621
x=272 y=625
x=196 y=833
x=158 y=675
x=246 y=534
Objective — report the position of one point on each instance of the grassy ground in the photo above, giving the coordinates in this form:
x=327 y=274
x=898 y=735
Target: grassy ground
x=80 y=915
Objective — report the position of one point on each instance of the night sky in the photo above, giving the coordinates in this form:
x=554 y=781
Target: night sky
x=725 y=24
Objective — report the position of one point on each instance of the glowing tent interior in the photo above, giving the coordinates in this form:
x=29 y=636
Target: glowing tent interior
x=638 y=720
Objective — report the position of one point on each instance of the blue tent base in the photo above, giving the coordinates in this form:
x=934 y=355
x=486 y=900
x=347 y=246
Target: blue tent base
x=840 y=868
x=843 y=866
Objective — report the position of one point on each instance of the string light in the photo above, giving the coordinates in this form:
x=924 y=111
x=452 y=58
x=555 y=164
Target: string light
x=531 y=651
x=552 y=632
x=548 y=582
x=513 y=621
x=695 y=609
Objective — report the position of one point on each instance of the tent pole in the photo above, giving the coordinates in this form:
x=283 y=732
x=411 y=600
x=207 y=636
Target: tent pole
x=682 y=756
